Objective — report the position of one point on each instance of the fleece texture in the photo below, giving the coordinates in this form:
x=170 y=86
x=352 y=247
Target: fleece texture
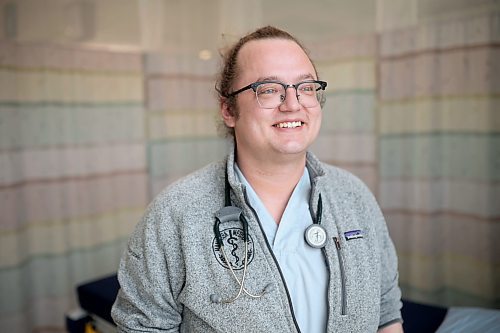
x=173 y=267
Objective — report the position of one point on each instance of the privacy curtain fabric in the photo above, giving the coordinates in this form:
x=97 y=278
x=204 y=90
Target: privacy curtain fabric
x=439 y=157
x=348 y=136
x=415 y=113
x=73 y=177
x=87 y=139
x=181 y=113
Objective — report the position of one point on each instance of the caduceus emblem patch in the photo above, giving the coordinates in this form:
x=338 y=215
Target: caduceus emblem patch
x=234 y=246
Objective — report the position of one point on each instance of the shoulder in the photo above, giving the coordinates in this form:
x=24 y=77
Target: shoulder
x=348 y=194
x=192 y=198
x=194 y=189
x=342 y=178
x=334 y=179
x=342 y=183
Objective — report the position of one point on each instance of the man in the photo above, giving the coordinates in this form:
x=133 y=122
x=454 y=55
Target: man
x=299 y=246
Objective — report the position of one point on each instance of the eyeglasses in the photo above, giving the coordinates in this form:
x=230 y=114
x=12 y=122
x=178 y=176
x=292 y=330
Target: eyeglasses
x=271 y=94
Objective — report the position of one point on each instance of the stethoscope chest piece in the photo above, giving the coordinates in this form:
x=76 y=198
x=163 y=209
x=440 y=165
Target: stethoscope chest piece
x=315 y=236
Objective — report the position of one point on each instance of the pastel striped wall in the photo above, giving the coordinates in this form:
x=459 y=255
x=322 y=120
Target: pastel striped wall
x=440 y=157
x=73 y=178
x=348 y=134
x=181 y=115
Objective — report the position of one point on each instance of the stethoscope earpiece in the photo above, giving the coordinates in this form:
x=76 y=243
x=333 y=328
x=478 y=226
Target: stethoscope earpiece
x=269 y=288
x=215 y=298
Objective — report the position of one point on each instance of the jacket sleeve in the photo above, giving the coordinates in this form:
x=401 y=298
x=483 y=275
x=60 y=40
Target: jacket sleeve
x=151 y=276
x=390 y=293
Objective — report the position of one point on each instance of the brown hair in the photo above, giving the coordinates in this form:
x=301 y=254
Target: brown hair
x=229 y=70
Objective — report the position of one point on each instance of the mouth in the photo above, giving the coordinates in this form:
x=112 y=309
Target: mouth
x=289 y=124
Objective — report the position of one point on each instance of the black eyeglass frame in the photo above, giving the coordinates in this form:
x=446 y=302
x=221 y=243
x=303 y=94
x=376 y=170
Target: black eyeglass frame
x=254 y=86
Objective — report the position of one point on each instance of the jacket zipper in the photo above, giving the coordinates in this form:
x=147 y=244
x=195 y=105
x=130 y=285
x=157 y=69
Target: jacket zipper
x=275 y=260
x=342 y=276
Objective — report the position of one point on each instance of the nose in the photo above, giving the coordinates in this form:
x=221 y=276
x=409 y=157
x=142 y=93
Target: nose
x=291 y=102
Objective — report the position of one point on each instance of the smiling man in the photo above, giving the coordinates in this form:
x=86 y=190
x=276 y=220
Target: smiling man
x=270 y=239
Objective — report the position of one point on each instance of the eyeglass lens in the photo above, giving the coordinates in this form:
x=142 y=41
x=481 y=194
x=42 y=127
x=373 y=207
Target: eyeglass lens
x=271 y=94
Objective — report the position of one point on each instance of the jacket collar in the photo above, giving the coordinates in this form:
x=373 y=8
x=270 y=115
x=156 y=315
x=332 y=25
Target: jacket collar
x=313 y=164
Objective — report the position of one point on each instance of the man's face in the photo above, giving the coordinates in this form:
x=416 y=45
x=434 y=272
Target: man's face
x=287 y=130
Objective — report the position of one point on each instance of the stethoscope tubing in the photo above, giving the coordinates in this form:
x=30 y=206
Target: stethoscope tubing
x=233 y=213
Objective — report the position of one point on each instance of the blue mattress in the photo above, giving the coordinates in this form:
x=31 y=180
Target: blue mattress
x=419 y=318
x=97 y=297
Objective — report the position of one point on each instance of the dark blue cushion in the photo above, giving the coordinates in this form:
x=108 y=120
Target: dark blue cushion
x=97 y=297
x=421 y=318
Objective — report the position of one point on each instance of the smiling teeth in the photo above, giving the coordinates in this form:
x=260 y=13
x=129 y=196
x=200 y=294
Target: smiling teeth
x=291 y=124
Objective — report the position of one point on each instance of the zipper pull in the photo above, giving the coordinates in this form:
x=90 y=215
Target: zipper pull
x=337 y=242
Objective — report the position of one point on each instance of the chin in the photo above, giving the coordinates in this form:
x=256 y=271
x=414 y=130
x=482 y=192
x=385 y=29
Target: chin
x=294 y=149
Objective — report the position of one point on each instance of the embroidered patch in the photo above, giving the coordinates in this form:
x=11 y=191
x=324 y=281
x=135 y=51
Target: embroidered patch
x=234 y=246
x=353 y=234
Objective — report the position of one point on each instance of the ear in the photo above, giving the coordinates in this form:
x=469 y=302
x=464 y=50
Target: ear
x=228 y=115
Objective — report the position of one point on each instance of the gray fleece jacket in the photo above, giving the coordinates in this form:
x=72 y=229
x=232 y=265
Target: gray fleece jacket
x=173 y=264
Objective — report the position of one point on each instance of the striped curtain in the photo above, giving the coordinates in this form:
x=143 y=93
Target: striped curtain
x=348 y=136
x=73 y=179
x=440 y=157
x=415 y=114
x=181 y=111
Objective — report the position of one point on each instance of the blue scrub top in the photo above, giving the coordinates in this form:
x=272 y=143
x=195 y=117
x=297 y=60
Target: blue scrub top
x=303 y=267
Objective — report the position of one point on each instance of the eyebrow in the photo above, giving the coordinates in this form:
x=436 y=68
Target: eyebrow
x=275 y=78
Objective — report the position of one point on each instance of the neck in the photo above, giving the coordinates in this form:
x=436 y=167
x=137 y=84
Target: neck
x=263 y=172
x=273 y=181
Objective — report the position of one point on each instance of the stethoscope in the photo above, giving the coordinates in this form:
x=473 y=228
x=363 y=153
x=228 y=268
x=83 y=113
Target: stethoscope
x=315 y=236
